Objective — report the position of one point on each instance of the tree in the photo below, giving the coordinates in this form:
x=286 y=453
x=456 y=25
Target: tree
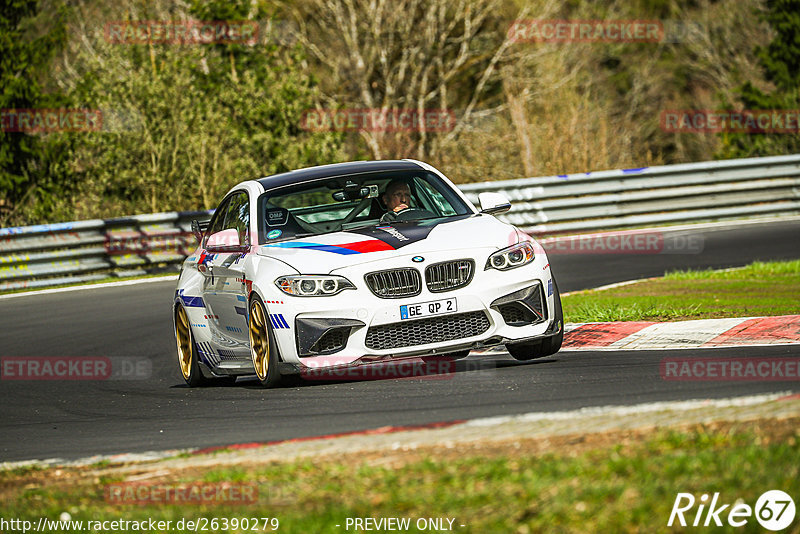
x=28 y=42
x=410 y=55
x=780 y=62
x=193 y=119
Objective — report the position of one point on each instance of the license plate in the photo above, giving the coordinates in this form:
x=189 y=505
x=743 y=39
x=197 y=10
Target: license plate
x=425 y=309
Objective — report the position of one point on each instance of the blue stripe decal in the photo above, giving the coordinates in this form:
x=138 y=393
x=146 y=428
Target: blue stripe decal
x=206 y=353
x=316 y=246
x=632 y=171
x=278 y=322
x=241 y=298
x=282 y=320
x=193 y=302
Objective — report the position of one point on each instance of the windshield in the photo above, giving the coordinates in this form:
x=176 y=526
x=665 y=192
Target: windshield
x=354 y=201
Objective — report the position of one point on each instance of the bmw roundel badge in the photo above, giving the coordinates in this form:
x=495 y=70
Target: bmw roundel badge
x=417 y=259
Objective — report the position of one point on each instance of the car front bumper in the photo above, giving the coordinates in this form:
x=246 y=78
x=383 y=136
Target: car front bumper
x=354 y=327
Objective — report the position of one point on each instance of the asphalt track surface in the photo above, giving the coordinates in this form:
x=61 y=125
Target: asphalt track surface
x=75 y=419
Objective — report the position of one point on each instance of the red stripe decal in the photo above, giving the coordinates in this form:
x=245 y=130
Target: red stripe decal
x=602 y=334
x=374 y=245
x=781 y=329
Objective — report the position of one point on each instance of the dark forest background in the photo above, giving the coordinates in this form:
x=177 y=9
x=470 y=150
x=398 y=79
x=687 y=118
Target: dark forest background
x=185 y=122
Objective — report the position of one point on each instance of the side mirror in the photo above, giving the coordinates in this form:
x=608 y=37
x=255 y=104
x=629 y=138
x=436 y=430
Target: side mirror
x=224 y=241
x=199 y=229
x=493 y=203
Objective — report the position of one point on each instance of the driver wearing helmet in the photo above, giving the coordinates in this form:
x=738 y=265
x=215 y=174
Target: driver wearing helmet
x=396 y=198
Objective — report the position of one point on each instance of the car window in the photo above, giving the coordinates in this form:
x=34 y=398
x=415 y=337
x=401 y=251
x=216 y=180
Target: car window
x=432 y=197
x=233 y=212
x=217 y=223
x=238 y=216
x=321 y=206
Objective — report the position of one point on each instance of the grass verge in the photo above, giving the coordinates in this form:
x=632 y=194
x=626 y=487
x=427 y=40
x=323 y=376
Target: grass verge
x=759 y=289
x=625 y=480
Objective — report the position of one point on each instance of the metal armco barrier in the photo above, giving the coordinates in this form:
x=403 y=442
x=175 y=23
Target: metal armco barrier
x=53 y=254
x=83 y=251
x=626 y=198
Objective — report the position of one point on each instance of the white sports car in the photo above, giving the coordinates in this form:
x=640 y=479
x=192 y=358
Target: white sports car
x=355 y=263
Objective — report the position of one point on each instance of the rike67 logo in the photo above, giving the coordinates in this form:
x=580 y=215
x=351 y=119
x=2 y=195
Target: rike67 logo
x=774 y=510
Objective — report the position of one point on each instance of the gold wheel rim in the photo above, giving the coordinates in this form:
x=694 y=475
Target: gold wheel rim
x=184 y=338
x=259 y=340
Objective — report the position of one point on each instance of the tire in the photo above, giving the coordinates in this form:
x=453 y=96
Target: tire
x=545 y=346
x=187 y=352
x=263 y=350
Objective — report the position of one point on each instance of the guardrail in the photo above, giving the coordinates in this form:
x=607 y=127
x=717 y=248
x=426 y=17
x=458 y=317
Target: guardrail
x=83 y=251
x=626 y=198
x=53 y=254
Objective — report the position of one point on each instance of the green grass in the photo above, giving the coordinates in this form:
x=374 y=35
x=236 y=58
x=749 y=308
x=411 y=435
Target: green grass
x=759 y=289
x=621 y=485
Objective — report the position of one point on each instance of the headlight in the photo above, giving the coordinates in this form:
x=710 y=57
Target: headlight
x=313 y=285
x=511 y=257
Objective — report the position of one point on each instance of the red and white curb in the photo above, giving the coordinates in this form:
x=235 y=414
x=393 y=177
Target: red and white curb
x=702 y=333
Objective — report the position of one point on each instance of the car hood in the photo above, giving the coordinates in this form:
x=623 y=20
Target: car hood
x=328 y=252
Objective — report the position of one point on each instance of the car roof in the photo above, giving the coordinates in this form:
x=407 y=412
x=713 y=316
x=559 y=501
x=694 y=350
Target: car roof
x=334 y=170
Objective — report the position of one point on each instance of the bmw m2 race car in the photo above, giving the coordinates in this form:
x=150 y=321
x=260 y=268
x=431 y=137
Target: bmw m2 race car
x=355 y=263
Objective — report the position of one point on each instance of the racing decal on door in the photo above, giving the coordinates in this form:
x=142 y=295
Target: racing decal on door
x=248 y=284
x=190 y=302
x=550 y=287
x=203 y=259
